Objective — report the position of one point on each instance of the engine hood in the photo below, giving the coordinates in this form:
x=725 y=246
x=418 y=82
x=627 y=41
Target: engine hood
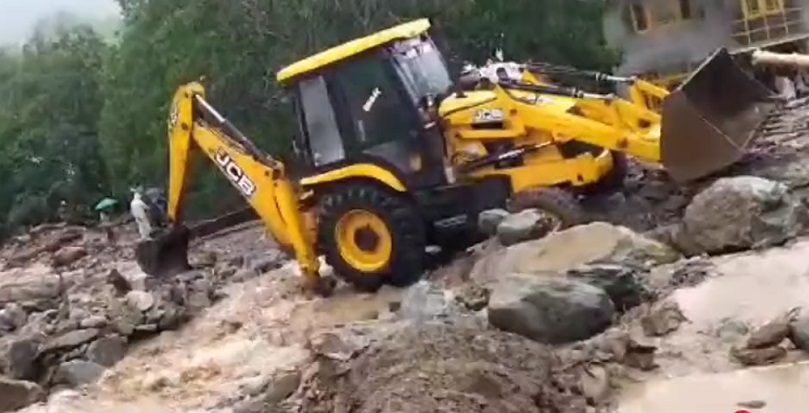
x=453 y=103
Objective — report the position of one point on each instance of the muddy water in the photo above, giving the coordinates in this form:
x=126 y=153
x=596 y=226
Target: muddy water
x=754 y=287
x=781 y=389
x=696 y=372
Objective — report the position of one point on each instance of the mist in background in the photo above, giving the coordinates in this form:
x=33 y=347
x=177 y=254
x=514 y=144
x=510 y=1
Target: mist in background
x=19 y=18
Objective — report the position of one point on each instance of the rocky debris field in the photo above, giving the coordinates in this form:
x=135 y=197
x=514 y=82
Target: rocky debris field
x=670 y=282
x=72 y=302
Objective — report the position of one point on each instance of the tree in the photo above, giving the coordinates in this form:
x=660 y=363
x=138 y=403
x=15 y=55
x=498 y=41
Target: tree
x=49 y=126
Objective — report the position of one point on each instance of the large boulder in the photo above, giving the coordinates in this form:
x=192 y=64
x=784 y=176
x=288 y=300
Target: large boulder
x=78 y=373
x=566 y=250
x=32 y=290
x=740 y=213
x=16 y=394
x=107 y=351
x=549 y=309
x=20 y=359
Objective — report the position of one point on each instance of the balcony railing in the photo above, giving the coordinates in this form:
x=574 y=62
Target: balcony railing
x=783 y=25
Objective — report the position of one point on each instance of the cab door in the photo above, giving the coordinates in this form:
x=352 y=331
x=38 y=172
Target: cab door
x=379 y=121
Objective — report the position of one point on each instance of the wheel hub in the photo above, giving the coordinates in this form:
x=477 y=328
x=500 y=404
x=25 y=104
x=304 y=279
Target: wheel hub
x=366 y=239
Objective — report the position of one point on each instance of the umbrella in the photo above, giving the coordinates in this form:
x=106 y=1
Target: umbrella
x=106 y=203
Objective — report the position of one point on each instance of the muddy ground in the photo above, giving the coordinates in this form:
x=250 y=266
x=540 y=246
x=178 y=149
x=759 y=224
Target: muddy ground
x=243 y=339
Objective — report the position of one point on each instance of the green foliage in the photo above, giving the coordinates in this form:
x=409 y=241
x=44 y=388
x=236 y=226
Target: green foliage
x=49 y=126
x=80 y=119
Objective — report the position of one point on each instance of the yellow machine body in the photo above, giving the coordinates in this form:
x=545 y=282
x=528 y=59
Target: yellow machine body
x=397 y=158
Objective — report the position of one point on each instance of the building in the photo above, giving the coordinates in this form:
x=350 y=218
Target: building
x=665 y=39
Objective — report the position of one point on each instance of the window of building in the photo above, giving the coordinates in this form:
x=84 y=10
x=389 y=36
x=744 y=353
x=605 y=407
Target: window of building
x=640 y=18
x=759 y=8
x=645 y=16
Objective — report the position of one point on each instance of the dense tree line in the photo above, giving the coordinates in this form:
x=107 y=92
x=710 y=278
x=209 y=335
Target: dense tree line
x=82 y=118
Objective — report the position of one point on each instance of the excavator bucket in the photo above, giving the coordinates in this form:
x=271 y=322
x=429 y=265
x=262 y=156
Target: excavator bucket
x=711 y=119
x=164 y=255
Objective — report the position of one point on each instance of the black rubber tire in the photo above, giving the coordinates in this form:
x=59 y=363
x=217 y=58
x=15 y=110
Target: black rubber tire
x=404 y=223
x=559 y=202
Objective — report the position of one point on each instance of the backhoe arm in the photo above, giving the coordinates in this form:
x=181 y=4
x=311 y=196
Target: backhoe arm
x=262 y=181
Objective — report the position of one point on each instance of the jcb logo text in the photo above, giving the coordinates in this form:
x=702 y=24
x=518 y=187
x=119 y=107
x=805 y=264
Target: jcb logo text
x=235 y=173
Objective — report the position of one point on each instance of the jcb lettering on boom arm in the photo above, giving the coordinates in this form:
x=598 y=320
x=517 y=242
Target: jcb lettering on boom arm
x=235 y=174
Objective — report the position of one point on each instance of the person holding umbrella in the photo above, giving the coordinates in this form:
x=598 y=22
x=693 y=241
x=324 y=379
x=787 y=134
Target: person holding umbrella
x=104 y=209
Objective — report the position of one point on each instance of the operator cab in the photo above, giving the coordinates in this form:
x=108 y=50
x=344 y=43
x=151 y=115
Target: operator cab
x=363 y=103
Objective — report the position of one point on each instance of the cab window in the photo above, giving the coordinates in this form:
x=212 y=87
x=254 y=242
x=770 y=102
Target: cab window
x=320 y=122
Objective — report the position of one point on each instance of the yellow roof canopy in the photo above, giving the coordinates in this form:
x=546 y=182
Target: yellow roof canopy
x=356 y=46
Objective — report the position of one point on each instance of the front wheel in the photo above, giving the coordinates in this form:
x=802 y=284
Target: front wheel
x=560 y=206
x=371 y=237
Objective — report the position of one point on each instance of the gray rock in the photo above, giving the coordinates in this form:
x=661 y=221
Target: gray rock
x=770 y=334
x=37 y=292
x=140 y=300
x=20 y=359
x=12 y=317
x=799 y=332
x=548 y=309
x=741 y=213
x=731 y=329
x=78 y=373
x=171 y=318
x=620 y=281
x=271 y=260
x=244 y=274
x=663 y=318
x=524 y=226
x=94 y=321
x=107 y=351
x=489 y=220
x=226 y=272
x=119 y=283
x=425 y=301
x=191 y=276
x=282 y=386
x=595 y=384
x=198 y=300
x=569 y=249
x=71 y=340
x=473 y=296
x=758 y=356
x=17 y=394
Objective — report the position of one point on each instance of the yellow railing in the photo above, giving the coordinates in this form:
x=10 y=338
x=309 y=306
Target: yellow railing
x=771 y=26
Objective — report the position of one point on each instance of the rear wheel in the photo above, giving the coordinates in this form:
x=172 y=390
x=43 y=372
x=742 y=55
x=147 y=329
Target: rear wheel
x=371 y=237
x=561 y=207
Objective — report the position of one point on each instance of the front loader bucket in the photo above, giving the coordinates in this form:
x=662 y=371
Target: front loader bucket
x=711 y=119
x=164 y=255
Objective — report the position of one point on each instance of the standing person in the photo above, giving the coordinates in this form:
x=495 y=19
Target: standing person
x=140 y=211
x=784 y=85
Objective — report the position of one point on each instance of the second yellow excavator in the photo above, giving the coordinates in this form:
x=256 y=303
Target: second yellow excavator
x=396 y=156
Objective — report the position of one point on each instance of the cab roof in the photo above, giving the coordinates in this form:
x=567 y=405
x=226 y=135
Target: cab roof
x=354 y=47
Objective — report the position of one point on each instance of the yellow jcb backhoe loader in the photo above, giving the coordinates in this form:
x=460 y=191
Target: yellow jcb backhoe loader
x=397 y=157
